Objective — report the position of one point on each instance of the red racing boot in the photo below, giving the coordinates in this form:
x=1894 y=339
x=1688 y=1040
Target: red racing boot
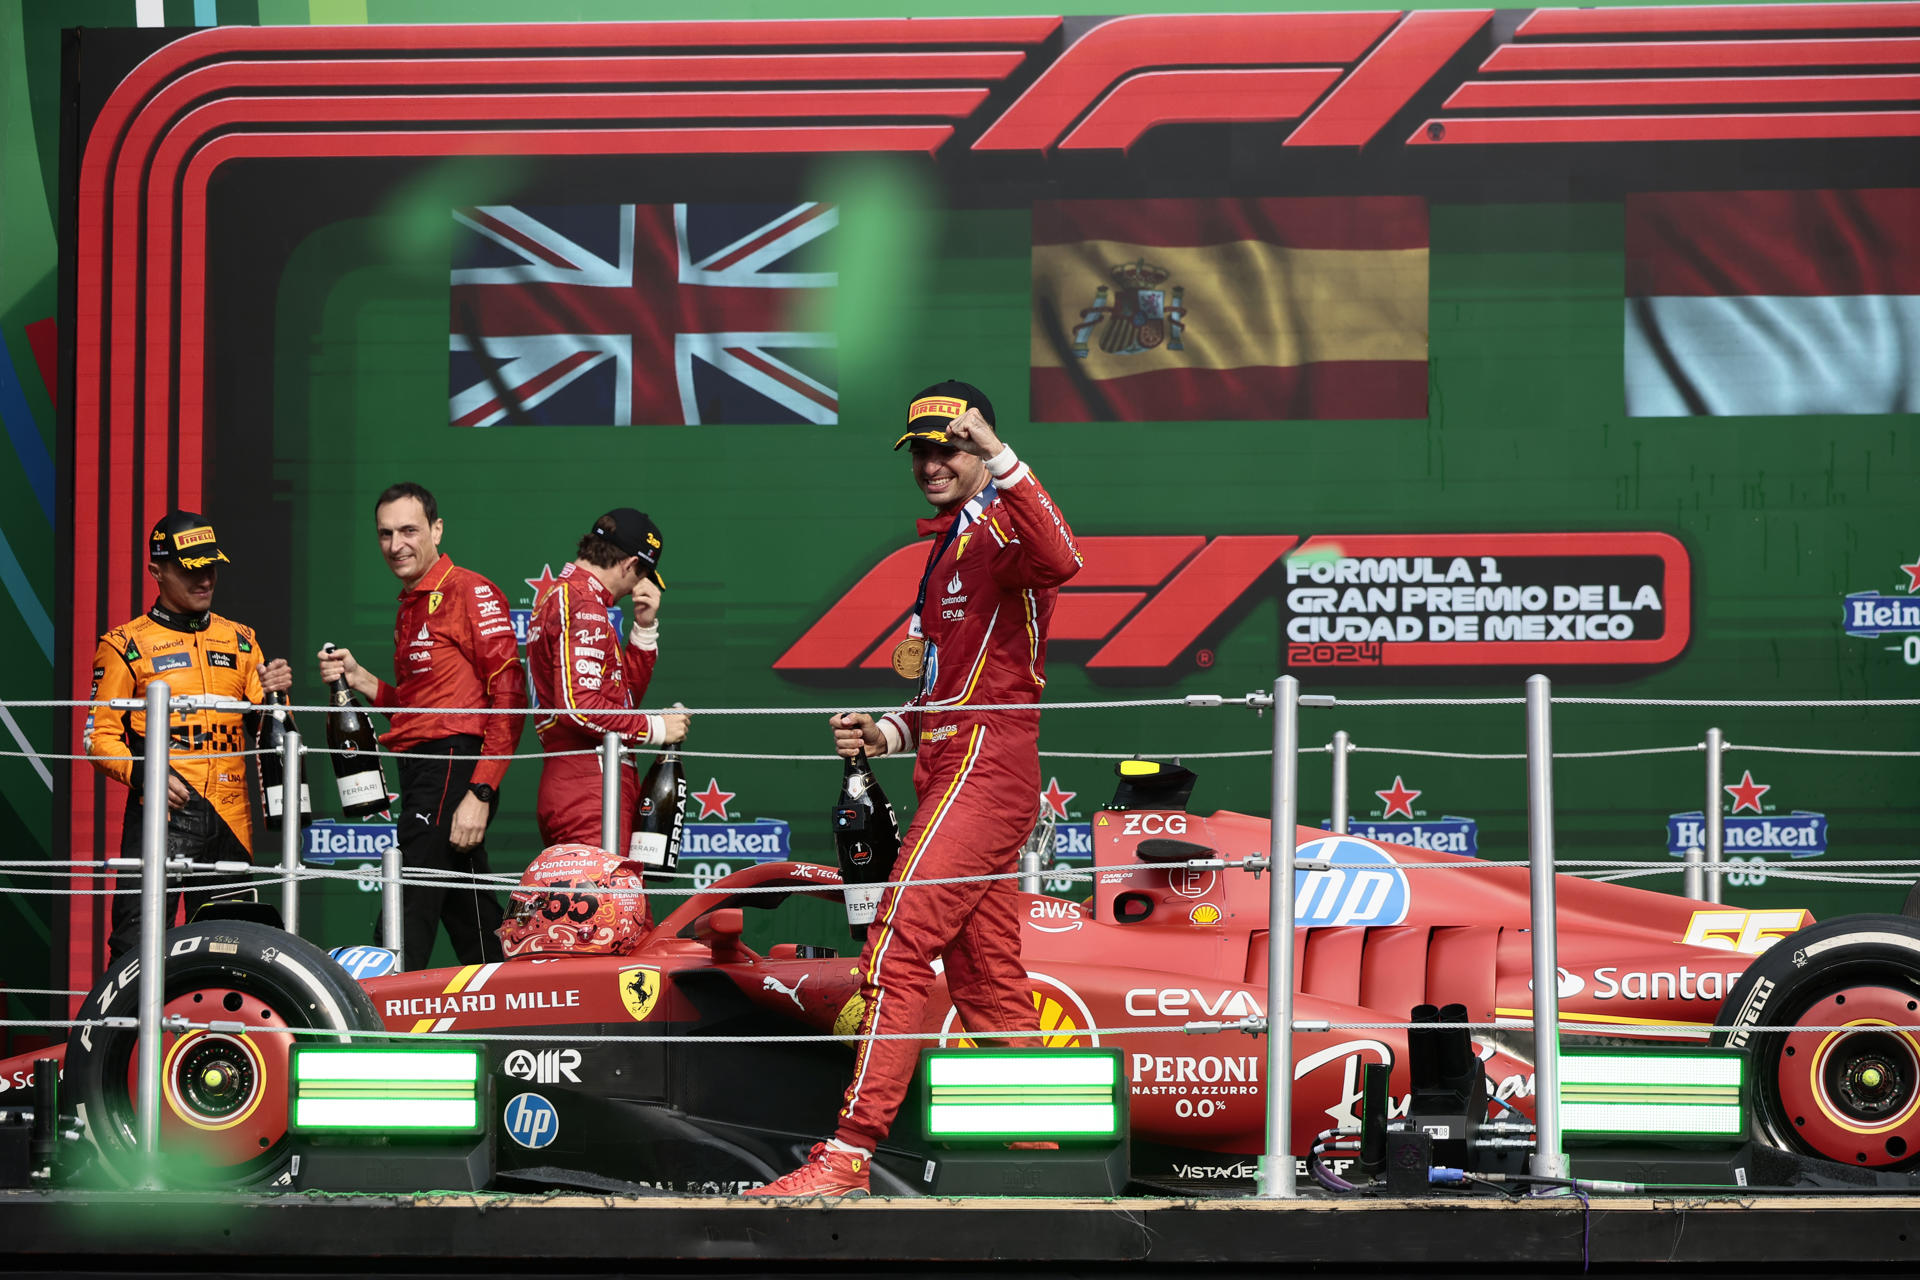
x=827 y=1174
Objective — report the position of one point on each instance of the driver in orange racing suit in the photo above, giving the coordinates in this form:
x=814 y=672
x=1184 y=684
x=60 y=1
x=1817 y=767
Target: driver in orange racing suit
x=202 y=655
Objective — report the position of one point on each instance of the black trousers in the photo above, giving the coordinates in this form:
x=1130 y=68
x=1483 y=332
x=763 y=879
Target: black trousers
x=432 y=785
x=195 y=830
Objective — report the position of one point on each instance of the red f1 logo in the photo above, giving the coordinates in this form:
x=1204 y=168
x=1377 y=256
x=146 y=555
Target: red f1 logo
x=1149 y=599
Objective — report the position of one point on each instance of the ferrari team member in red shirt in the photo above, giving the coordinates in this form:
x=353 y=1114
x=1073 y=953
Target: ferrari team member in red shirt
x=453 y=646
x=586 y=684
x=978 y=637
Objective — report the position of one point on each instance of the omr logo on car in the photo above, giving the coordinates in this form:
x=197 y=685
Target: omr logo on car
x=1362 y=886
x=547 y=1066
x=531 y=1121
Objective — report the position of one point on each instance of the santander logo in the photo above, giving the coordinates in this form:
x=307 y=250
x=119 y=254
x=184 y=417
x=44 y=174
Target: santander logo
x=1571 y=984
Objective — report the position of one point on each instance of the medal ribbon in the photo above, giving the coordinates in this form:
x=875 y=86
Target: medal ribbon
x=985 y=499
x=972 y=507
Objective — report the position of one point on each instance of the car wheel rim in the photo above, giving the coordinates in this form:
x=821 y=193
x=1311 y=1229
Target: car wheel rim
x=1854 y=1095
x=223 y=1093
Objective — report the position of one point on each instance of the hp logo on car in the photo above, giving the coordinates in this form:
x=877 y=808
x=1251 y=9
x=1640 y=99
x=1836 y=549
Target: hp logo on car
x=365 y=962
x=1362 y=886
x=531 y=1121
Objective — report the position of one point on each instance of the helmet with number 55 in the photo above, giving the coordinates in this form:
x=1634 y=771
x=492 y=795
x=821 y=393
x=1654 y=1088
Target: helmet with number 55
x=576 y=899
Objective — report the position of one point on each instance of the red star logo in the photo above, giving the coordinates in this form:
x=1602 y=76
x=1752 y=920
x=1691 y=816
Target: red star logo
x=1398 y=798
x=1056 y=799
x=1746 y=793
x=1913 y=576
x=540 y=584
x=713 y=801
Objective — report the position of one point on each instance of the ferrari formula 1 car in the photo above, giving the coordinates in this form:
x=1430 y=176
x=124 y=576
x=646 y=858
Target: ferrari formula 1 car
x=1160 y=944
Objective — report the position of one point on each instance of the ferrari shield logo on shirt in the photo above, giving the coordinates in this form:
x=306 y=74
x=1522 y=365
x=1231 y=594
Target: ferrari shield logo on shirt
x=433 y=601
x=639 y=991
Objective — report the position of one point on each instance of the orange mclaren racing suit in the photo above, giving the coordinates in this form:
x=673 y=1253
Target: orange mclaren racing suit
x=990 y=594
x=206 y=657
x=589 y=687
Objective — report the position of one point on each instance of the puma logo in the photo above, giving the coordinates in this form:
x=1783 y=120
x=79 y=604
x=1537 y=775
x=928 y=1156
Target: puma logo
x=792 y=993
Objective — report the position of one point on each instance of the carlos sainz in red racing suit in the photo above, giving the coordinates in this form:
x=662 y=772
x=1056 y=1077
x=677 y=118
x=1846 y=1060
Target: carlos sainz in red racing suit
x=1000 y=551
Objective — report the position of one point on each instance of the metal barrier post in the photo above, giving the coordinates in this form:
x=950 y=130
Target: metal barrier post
x=393 y=926
x=610 y=794
x=290 y=785
x=1276 y=1164
x=1693 y=879
x=1548 y=1160
x=153 y=924
x=1341 y=745
x=1716 y=825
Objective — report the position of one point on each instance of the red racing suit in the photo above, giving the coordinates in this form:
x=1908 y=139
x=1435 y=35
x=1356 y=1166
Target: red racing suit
x=453 y=646
x=589 y=687
x=990 y=597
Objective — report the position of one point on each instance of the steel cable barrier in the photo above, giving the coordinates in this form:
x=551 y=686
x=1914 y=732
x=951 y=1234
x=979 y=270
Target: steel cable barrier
x=1706 y=869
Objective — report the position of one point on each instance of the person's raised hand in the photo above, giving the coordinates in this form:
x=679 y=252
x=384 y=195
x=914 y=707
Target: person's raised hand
x=970 y=433
x=646 y=602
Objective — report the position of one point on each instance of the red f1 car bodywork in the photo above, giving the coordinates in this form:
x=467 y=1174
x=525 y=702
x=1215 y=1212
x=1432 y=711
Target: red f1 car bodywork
x=1158 y=946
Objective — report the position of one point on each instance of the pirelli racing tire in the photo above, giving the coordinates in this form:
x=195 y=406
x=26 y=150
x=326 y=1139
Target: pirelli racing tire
x=223 y=1091
x=1848 y=1096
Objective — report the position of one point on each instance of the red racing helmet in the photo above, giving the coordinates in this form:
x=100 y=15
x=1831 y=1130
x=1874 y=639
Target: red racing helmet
x=577 y=899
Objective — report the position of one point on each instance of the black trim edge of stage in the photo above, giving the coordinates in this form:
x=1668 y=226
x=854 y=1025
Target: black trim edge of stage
x=75 y=1233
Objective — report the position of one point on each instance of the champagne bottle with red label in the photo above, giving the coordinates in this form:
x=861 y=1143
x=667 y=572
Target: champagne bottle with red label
x=663 y=813
x=356 y=754
x=275 y=723
x=867 y=836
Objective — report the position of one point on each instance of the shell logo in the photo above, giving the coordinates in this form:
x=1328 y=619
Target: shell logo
x=1205 y=913
x=847 y=1021
x=1063 y=1019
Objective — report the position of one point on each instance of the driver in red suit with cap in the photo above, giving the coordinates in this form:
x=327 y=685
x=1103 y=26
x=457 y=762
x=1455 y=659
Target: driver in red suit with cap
x=586 y=684
x=978 y=638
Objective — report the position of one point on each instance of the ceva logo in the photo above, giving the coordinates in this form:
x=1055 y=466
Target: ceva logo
x=1145 y=601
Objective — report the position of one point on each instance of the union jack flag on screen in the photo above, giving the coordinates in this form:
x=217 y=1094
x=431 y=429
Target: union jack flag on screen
x=615 y=314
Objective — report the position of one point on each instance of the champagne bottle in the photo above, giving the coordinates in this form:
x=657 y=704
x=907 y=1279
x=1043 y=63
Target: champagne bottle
x=275 y=723
x=663 y=813
x=356 y=758
x=867 y=835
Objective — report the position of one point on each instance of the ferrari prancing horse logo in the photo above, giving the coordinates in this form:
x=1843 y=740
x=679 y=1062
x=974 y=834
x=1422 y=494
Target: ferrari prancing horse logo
x=639 y=991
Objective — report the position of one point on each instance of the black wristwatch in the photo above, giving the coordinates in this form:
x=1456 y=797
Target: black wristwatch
x=485 y=792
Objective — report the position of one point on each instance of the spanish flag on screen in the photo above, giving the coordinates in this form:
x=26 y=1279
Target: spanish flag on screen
x=1181 y=310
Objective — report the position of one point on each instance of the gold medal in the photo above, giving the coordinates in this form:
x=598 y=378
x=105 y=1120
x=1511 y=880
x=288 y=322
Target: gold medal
x=910 y=658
